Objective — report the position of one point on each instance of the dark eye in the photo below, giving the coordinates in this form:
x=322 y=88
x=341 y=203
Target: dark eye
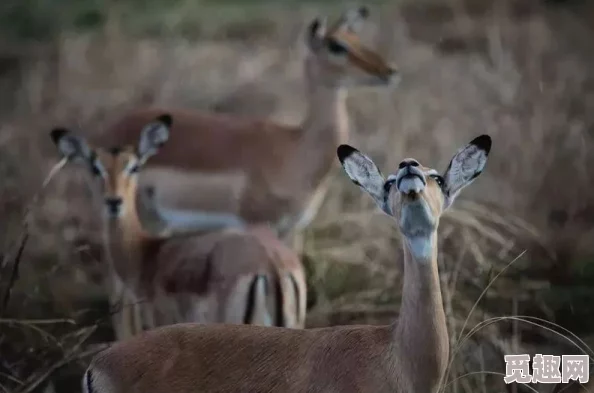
x=336 y=48
x=388 y=184
x=438 y=179
x=134 y=168
x=95 y=166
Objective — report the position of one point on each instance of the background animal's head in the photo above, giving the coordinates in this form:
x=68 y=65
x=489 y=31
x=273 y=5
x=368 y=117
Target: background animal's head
x=115 y=168
x=339 y=58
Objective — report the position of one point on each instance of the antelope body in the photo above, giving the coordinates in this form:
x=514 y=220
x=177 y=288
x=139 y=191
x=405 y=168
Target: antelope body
x=253 y=168
x=409 y=355
x=276 y=295
x=170 y=266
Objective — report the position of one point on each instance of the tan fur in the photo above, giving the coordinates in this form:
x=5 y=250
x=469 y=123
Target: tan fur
x=162 y=274
x=409 y=355
x=276 y=186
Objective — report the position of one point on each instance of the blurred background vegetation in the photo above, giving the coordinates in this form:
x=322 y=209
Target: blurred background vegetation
x=520 y=70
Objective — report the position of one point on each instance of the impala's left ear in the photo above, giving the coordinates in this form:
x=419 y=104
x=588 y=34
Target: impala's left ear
x=466 y=165
x=153 y=136
x=70 y=145
x=364 y=173
x=316 y=32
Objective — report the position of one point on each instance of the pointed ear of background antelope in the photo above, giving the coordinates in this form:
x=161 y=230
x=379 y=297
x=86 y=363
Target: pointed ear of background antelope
x=153 y=136
x=69 y=145
x=363 y=172
x=316 y=32
x=466 y=165
x=351 y=21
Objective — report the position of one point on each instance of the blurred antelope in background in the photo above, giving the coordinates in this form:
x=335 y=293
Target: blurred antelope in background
x=282 y=278
x=254 y=168
x=410 y=355
x=159 y=274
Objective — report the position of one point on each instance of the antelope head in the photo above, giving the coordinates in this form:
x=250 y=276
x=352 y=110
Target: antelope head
x=116 y=169
x=416 y=195
x=338 y=57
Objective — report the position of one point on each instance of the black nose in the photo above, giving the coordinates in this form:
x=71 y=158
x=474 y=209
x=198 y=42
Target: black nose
x=113 y=204
x=406 y=163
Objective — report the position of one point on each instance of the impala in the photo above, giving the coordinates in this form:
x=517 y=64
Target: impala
x=180 y=266
x=255 y=245
x=254 y=168
x=409 y=355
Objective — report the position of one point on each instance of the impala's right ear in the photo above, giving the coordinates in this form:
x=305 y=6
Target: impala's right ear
x=316 y=33
x=466 y=165
x=153 y=136
x=69 y=145
x=352 y=20
x=364 y=173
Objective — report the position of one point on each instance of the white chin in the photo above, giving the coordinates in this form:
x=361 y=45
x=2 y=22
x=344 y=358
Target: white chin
x=411 y=185
x=113 y=215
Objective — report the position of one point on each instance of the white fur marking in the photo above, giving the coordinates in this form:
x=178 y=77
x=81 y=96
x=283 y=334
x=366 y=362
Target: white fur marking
x=411 y=184
x=362 y=170
x=198 y=220
x=420 y=248
x=261 y=313
x=99 y=381
x=416 y=219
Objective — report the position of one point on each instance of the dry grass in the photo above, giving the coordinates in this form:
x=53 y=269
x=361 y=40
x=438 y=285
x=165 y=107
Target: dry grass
x=522 y=75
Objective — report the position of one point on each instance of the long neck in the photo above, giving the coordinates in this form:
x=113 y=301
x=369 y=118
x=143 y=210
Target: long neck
x=124 y=240
x=324 y=127
x=420 y=333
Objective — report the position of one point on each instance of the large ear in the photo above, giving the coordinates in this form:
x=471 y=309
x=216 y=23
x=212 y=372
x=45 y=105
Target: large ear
x=364 y=173
x=153 y=136
x=352 y=20
x=69 y=145
x=316 y=33
x=465 y=166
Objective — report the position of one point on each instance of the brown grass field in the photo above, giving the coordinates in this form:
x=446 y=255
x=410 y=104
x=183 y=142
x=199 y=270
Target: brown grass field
x=521 y=71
